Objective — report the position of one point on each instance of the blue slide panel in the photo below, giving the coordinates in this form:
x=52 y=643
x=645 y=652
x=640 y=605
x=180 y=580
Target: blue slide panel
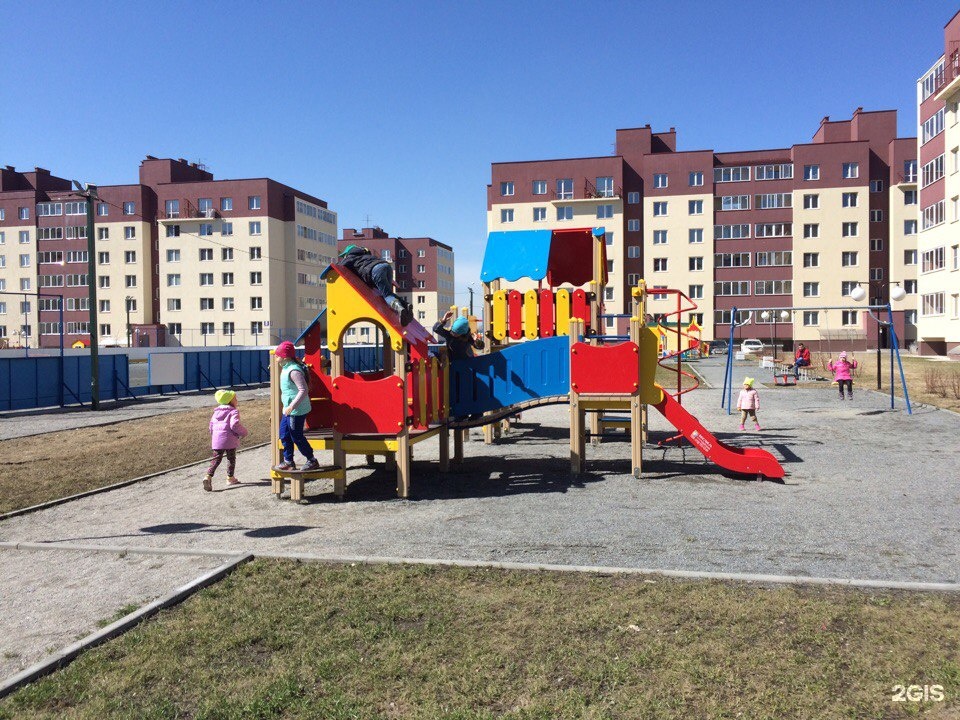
x=521 y=372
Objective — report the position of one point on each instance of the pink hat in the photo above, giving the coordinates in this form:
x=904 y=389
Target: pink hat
x=285 y=350
x=843 y=353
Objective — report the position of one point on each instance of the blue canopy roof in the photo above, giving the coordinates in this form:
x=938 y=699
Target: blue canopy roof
x=511 y=255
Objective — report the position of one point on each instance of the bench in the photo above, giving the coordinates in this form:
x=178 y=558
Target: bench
x=784 y=379
x=298 y=479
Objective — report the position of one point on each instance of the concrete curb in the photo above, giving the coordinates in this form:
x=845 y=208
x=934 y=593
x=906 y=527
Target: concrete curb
x=68 y=654
x=114 y=486
x=113 y=549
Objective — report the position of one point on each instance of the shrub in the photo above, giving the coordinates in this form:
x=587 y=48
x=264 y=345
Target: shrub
x=935 y=381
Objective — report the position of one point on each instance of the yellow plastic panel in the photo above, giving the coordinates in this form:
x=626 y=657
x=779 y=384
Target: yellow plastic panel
x=531 y=319
x=344 y=307
x=562 y=311
x=650 y=392
x=500 y=314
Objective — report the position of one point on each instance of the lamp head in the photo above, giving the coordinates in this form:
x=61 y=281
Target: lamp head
x=897 y=293
x=784 y=314
x=765 y=315
x=858 y=293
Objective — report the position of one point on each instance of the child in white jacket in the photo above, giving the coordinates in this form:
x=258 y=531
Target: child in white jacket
x=748 y=403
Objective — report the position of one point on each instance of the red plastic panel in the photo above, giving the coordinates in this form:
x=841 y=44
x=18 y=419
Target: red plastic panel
x=546 y=314
x=581 y=308
x=605 y=369
x=515 y=314
x=321 y=408
x=571 y=257
x=360 y=406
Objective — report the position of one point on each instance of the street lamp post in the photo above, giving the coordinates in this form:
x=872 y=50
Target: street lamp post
x=89 y=192
x=127 y=301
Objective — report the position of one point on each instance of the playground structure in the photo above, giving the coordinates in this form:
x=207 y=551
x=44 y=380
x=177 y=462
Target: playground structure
x=544 y=345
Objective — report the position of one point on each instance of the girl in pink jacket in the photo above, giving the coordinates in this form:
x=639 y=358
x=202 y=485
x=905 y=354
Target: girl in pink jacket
x=748 y=403
x=843 y=373
x=225 y=431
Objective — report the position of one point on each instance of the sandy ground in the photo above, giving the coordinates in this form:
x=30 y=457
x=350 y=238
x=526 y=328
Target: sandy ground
x=869 y=494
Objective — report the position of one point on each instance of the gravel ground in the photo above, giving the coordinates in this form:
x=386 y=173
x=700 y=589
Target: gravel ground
x=869 y=494
x=23 y=423
x=51 y=598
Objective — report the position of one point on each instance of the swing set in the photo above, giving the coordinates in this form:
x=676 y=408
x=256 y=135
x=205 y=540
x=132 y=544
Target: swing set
x=726 y=399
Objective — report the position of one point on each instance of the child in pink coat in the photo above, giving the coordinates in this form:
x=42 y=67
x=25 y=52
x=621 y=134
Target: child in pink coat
x=843 y=373
x=226 y=431
x=748 y=403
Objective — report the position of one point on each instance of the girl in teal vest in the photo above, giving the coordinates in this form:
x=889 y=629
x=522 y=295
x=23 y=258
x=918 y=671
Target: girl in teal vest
x=296 y=406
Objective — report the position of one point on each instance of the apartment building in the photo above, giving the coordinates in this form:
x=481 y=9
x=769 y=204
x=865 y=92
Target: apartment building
x=422 y=269
x=794 y=227
x=938 y=243
x=181 y=258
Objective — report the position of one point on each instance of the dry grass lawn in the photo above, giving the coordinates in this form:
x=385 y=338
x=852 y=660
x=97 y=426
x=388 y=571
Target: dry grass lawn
x=37 y=469
x=415 y=642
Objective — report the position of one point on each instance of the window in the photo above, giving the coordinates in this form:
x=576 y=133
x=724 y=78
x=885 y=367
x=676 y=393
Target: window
x=633 y=225
x=129 y=208
x=731 y=174
x=811 y=202
x=811 y=318
x=256 y=303
x=506 y=215
x=206 y=303
x=773 y=229
x=227 y=303
x=256 y=277
x=103 y=281
x=660 y=180
x=909 y=227
x=506 y=188
x=633 y=198
x=932 y=127
x=849 y=229
x=539 y=214
x=539 y=187
x=851 y=170
x=173 y=279
x=811 y=289
x=173 y=256
x=849 y=199
x=731 y=232
x=633 y=251
x=876 y=216
x=173 y=231
x=847 y=286
x=933 y=215
x=129 y=232
x=206 y=279
x=605 y=186
x=933 y=260
x=811 y=230
x=726 y=260
x=733 y=202
x=49 y=209
x=660 y=264
x=206 y=254
x=565 y=213
x=695 y=179
x=849 y=317
x=659 y=296
x=932 y=171
x=227 y=328
x=876 y=273
x=695 y=207
x=909 y=197
x=206 y=229
x=909 y=257
x=811 y=260
x=23 y=213
x=255 y=227
x=421 y=253
x=256 y=327
x=773 y=287
x=604 y=211
x=25 y=260
x=695 y=263
x=876 y=244
x=226 y=203
x=102 y=210
x=735 y=287
x=775 y=258
x=253 y=202
x=695 y=292
x=130 y=281
x=849 y=259
x=811 y=172
x=876 y=186
x=103 y=258
x=659 y=237
x=955 y=257
x=565 y=189
x=659 y=208
x=24 y=237
x=695 y=235
x=773 y=200
x=255 y=253
x=3 y=238
x=932 y=304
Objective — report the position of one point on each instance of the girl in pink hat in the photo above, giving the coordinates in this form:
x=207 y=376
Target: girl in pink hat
x=843 y=373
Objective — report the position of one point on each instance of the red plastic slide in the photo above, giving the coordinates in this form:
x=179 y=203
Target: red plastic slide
x=748 y=461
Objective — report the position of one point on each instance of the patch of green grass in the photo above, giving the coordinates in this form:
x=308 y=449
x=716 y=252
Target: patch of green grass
x=279 y=639
x=120 y=613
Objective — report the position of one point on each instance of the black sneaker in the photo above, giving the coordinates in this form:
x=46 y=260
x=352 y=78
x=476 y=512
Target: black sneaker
x=405 y=316
x=311 y=464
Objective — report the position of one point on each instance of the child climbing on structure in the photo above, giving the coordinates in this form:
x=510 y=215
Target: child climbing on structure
x=296 y=406
x=748 y=403
x=226 y=430
x=378 y=274
x=460 y=343
x=843 y=373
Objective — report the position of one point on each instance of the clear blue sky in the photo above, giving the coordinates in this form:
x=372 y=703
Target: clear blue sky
x=392 y=112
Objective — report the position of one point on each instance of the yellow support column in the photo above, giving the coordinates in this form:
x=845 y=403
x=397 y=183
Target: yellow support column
x=276 y=481
x=637 y=408
x=339 y=455
x=577 y=445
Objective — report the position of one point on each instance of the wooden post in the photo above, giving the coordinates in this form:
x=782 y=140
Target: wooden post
x=369 y=459
x=276 y=483
x=577 y=446
x=458 y=436
x=339 y=454
x=637 y=410
x=444 y=450
x=403 y=463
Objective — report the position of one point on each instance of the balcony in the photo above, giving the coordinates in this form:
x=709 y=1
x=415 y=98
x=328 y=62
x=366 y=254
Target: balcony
x=948 y=82
x=185 y=211
x=908 y=179
x=590 y=194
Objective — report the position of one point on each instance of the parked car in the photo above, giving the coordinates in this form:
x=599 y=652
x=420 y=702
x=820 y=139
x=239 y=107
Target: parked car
x=751 y=346
x=719 y=347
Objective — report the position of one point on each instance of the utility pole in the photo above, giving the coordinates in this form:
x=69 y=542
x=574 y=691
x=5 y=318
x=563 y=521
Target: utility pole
x=470 y=290
x=90 y=193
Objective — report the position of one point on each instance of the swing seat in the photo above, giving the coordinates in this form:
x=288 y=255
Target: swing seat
x=784 y=379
